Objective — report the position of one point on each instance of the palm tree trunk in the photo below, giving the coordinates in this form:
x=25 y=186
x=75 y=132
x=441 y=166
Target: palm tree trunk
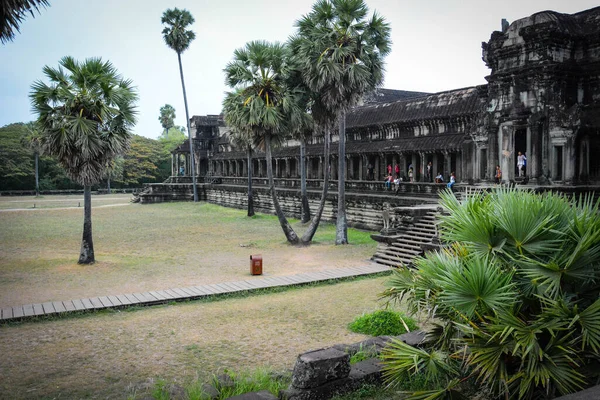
x=37 y=174
x=305 y=217
x=86 y=254
x=341 y=226
x=108 y=184
x=250 y=197
x=312 y=228
x=285 y=225
x=187 y=117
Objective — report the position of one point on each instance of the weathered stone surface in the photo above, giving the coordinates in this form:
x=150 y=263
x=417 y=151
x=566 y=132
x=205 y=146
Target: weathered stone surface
x=414 y=338
x=210 y=391
x=366 y=371
x=372 y=345
x=592 y=393
x=262 y=395
x=325 y=391
x=225 y=381
x=315 y=368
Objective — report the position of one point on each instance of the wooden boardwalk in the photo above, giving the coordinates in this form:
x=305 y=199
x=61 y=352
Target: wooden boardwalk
x=181 y=294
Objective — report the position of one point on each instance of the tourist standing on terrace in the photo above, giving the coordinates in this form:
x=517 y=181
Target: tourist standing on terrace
x=498 y=174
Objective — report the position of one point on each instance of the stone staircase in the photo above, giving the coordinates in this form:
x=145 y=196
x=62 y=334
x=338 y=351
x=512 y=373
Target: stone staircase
x=400 y=249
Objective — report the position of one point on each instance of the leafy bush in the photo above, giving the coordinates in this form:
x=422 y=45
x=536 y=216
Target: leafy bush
x=382 y=322
x=515 y=294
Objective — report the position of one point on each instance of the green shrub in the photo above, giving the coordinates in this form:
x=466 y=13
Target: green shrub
x=382 y=322
x=516 y=297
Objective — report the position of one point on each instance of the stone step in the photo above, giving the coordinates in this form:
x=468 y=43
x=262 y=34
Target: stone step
x=413 y=239
x=399 y=260
x=405 y=249
x=395 y=249
x=398 y=254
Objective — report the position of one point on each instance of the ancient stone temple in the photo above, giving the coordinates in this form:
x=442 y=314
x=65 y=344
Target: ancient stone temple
x=542 y=100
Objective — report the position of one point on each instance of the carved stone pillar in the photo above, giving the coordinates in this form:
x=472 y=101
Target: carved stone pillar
x=423 y=167
x=506 y=147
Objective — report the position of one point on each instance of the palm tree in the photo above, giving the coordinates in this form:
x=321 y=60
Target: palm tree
x=261 y=104
x=85 y=115
x=12 y=13
x=167 y=117
x=178 y=38
x=342 y=59
x=515 y=294
x=33 y=141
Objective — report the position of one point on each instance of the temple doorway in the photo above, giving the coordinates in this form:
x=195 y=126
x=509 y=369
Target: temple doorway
x=520 y=147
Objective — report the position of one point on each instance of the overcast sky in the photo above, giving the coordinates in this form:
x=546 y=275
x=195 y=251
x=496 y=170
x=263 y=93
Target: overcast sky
x=436 y=45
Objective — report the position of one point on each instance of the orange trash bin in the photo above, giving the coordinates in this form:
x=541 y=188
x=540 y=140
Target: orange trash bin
x=256 y=264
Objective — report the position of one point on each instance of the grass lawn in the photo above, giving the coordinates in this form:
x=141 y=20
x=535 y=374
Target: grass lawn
x=114 y=354
x=150 y=247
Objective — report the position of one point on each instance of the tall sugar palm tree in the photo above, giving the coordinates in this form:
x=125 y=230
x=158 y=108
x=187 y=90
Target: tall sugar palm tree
x=261 y=104
x=85 y=116
x=33 y=141
x=13 y=12
x=342 y=54
x=167 y=117
x=243 y=140
x=178 y=38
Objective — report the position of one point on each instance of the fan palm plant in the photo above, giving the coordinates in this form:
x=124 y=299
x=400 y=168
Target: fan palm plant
x=341 y=53
x=261 y=104
x=178 y=38
x=517 y=292
x=12 y=13
x=85 y=116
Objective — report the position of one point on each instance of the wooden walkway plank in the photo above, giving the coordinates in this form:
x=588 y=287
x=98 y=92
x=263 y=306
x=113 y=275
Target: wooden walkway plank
x=78 y=304
x=141 y=299
x=106 y=301
x=87 y=303
x=181 y=294
x=38 y=309
x=115 y=300
x=18 y=312
x=174 y=295
x=197 y=292
x=124 y=299
x=96 y=303
x=28 y=310
x=191 y=294
x=239 y=285
x=69 y=306
x=48 y=308
x=7 y=313
x=231 y=288
x=150 y=298
x=166 y=295
x=59 y=306
x=205 y=290
x=219 y=288
x=136 y=298
x=159 y=296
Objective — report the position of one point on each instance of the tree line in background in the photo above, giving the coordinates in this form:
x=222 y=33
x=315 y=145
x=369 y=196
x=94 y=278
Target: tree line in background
x=146 y=160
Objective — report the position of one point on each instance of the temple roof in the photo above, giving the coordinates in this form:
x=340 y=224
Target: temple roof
x=434 y=106
x=382 y=95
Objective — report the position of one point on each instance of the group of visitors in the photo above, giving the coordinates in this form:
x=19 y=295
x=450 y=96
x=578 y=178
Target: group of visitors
x=521 y=168
x=397 y=179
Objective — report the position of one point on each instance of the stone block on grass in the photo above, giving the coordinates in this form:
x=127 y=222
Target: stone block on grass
x=317 y=367
x=262 y=395
x=322 y=392
x=367 y=371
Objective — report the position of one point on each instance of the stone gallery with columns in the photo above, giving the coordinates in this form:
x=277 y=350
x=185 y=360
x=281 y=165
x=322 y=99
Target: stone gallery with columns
x=542 y=100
